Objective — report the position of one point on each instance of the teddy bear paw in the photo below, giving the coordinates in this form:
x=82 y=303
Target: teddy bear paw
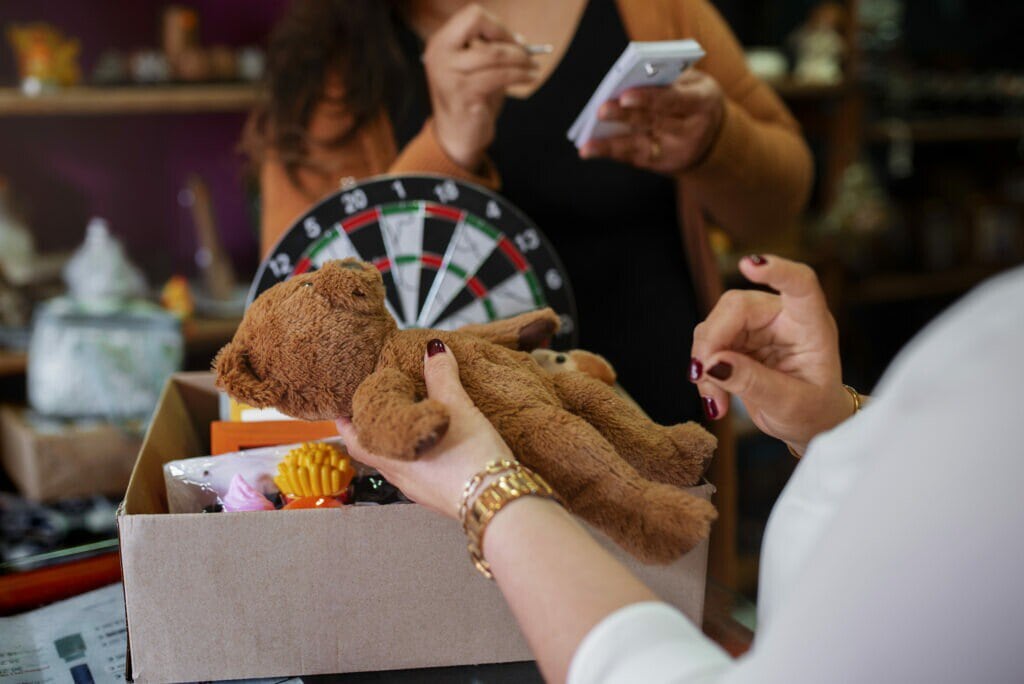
x=428 y=424
x=672 y=523
x=695 y=447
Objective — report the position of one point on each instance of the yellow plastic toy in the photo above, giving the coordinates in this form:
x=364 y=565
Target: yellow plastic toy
x=45 y=57
x=314 y=469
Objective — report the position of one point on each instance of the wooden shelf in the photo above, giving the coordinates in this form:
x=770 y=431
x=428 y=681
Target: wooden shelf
x=86 y=100
x=209 y=332
x=910 y=286
x=950 y=129
x=12 y=363
x=790 y=89
x=199 y=333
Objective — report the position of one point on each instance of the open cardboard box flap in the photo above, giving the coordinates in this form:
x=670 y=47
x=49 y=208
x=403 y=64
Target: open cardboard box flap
x=261 y=594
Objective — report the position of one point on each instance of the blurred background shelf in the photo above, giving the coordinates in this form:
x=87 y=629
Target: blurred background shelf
x=911 y=286
x=792 y=89
x=949 y=129
x=12 y=363
x=166 y=99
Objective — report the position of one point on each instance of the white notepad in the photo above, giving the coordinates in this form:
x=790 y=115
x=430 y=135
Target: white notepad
x=641 y=64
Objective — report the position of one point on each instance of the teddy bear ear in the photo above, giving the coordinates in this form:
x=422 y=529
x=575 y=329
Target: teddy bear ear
x=594 y=365
x=236 y=376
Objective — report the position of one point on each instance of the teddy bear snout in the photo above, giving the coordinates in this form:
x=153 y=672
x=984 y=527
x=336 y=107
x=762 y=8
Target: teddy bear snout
x=346 y=284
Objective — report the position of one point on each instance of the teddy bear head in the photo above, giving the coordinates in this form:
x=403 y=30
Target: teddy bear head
x=580 y=360
x=306 y=344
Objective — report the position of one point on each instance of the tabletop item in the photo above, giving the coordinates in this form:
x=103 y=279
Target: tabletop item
x=374 y=489
x=819 y=45
x=89 y=361
x=314 y=469
x=241 y=496
x=450 y=253
x=50 y=459
x=641 y=65
x=270 y=478
x=250 y=62
x=99 y=274
x=211 y=257
x=103 y=350
x=29 y=529
x=46 y=59
x=176 y=297
x=312 y=502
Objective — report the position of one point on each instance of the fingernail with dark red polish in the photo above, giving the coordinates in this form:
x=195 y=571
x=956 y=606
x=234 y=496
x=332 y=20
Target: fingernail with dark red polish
x=720 y=371
x=757 y=259
x=435 y=346
x=710 y=408
x=696 y=368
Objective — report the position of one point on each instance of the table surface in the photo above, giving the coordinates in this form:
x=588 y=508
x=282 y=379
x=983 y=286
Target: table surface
x=63 y=581
x=720 y=625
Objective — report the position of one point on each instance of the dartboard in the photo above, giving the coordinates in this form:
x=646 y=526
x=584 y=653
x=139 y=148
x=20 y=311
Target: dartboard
x=450 y=253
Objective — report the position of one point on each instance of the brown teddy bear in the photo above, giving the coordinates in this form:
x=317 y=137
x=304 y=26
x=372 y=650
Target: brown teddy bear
x=322 y=345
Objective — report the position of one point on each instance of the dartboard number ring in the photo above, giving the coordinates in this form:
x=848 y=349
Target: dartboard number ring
x=450 y=253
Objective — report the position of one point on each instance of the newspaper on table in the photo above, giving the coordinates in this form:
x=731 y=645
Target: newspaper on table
x=82 y=640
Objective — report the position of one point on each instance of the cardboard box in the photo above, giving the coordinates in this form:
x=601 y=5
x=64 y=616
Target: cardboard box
x=56 y=459
x=233 y=595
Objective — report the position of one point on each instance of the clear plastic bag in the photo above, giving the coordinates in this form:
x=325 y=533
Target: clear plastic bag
x=196 y=485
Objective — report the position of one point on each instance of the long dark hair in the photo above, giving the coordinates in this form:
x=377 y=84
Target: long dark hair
x=355 y=39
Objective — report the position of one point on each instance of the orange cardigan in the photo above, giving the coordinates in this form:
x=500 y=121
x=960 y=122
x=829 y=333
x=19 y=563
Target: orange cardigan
x=754 y=181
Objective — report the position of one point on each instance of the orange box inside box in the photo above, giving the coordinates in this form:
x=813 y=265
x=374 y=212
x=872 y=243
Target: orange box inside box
x=227 y=436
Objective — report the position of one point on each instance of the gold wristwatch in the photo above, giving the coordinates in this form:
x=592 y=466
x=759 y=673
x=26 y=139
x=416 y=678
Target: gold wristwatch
x=513 y=485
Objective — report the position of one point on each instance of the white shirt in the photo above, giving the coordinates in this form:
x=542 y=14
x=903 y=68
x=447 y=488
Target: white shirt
x=896 y=551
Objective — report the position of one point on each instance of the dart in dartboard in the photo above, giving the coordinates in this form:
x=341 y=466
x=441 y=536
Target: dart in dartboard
x=450 y=253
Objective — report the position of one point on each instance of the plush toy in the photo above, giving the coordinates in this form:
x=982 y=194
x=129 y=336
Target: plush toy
x=580 y=360
x=322 y=345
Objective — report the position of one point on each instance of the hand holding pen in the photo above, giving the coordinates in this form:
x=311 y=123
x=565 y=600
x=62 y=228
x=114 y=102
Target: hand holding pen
x=470 y=62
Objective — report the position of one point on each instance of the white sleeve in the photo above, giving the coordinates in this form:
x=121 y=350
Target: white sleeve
x=914 y=574
x=647 y=642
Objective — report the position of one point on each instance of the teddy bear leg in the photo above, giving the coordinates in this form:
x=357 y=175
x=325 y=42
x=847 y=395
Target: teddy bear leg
x=653 y=521
x=392 y=421
x=677 y=454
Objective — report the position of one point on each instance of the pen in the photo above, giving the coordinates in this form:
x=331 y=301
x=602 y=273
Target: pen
x=539 y=49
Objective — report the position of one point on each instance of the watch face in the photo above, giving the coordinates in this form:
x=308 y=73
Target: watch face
x=450 y=253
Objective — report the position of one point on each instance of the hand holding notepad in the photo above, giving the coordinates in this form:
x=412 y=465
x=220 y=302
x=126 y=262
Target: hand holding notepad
x=641 y=65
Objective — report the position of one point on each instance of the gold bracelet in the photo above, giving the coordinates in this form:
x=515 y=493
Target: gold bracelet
x=473 y=483
x=513 y=485
x=857 y=403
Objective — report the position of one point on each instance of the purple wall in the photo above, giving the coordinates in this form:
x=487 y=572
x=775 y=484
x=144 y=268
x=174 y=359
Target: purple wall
x=130 y=168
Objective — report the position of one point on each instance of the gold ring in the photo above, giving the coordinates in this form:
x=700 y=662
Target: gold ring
x=655 y=150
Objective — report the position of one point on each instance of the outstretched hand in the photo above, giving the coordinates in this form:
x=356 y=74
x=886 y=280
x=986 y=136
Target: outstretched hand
x=436 y=478
x=779 y=353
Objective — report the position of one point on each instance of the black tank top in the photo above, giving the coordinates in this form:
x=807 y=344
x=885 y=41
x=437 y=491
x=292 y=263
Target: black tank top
x=615 y=227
